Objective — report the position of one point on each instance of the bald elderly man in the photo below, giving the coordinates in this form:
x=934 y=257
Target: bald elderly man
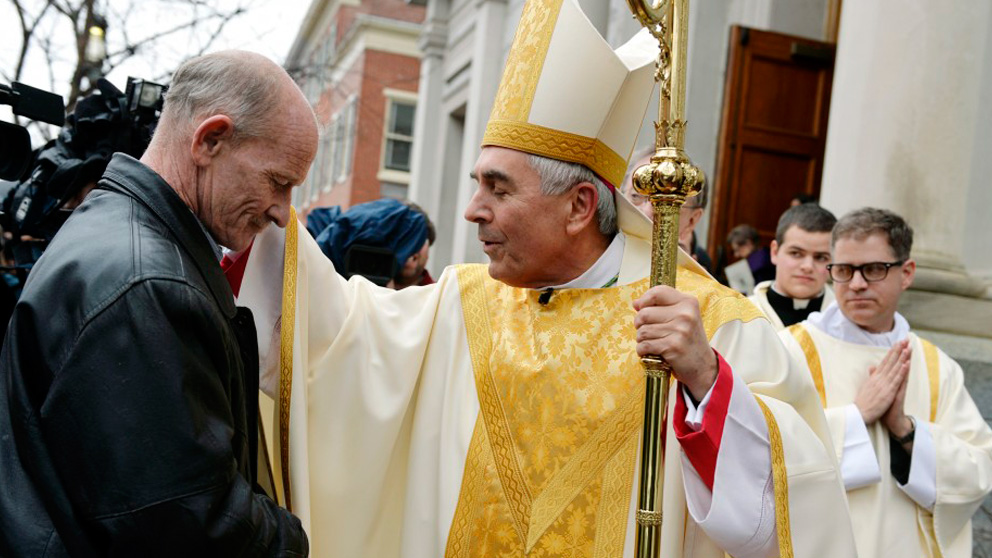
x=127 y=401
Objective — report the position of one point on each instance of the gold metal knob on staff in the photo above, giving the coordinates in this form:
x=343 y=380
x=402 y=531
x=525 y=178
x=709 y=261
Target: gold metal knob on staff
x=667 y=180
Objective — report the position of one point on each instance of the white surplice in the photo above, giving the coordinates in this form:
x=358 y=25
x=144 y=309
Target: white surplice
x=951 y=461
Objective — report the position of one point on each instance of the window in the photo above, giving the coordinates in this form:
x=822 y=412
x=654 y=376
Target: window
x=399 y=135
x=393 y=190
x=323 y=181
x=397 y=145
x=301 y=194
x=330 y=161
x=312 y=74
x=340 y=145
x=349 y=150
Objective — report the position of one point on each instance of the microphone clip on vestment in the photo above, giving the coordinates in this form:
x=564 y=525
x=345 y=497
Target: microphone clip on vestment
x=545 y=297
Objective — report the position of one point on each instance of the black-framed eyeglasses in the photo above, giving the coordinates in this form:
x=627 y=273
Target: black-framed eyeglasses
x=871 y=271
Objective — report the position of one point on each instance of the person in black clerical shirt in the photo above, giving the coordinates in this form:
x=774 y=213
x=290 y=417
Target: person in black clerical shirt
x=800 y=252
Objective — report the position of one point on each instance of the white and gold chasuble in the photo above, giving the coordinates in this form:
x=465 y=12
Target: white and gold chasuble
x=887 y=521
x=466 y=419
x=552 y=457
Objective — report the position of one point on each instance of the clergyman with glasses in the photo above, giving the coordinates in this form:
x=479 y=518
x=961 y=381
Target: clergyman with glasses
x=915 y=452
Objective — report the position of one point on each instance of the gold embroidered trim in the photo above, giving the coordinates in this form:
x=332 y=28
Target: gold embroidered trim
x=812 y=359
x=526 y=60
x=933 y=371
x=470 y=282
x=460 y=535
x=611 y=519
x=578 y=498
x=718 y=305
x=585 y=465
x=780 y=480
x=531 y=138
x=288 y=324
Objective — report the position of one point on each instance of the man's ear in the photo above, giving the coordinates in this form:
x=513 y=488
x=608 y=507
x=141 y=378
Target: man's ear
x=774 y=251
x=695 y=216
x=584 y=198
x=210 y=137
x=908 y=273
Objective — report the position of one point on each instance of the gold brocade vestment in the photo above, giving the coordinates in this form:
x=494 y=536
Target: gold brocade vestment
x=552 y=458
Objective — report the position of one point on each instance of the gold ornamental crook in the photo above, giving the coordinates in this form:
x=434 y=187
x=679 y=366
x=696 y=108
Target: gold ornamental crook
x=667 y=180
x=648 y=12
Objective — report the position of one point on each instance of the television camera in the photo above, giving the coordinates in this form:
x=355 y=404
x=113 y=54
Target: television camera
x=45 y=185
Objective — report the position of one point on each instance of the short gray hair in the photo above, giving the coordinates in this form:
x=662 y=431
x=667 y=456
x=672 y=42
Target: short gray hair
x=558 y=177
x=862 y=223
x=227 y=83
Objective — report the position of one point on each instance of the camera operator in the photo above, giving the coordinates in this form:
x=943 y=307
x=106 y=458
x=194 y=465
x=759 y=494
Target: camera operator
x=386 y=241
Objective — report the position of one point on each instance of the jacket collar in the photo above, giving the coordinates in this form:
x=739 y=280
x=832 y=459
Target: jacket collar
x=129 y=176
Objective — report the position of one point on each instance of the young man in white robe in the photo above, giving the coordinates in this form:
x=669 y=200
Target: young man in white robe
x=498 y=412
x=915 y=452
x=800 y=252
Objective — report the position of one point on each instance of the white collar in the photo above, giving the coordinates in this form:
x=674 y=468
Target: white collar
x=603 y=271
x=797 y=303
x=834 y=323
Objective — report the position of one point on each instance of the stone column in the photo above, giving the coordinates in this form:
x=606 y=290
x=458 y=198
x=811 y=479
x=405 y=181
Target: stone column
x=425 y=171
x=902 y=135
x=488 y=59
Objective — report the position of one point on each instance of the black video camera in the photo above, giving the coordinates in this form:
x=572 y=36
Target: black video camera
x=15 y=143
x=59 y=174
x=377 y=264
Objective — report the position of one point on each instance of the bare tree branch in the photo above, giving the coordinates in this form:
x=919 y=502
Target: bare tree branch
x=44 y=27
x=27 y=30
x=131 y=48
x=82 y=40
x=220 y=28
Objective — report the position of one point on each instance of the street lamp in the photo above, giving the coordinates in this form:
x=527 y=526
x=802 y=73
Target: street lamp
x=96 y=48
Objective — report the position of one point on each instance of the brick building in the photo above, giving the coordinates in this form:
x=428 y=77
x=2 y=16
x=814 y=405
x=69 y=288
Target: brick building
x=358 y=63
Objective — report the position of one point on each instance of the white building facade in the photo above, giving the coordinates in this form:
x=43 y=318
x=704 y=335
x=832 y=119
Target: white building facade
x=907 y=130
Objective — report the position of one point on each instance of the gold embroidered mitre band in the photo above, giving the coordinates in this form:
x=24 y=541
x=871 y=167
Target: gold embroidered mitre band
x=566 y=95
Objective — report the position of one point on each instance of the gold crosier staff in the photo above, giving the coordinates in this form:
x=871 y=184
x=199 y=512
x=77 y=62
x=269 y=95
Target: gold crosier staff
x=668 y=179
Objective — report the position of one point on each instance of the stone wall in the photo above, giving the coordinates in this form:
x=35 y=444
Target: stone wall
x=978 y=377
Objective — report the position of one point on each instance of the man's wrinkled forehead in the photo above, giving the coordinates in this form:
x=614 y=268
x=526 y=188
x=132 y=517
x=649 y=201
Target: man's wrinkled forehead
x=500 y=164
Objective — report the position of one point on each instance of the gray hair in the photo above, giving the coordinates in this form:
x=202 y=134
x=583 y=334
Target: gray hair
x=228 y=83
x=862 y=223
x=558 y=177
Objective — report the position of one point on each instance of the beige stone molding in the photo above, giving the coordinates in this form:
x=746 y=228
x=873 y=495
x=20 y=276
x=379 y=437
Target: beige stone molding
x=947 y=313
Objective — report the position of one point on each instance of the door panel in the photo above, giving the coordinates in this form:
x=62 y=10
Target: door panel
x=782 y=98
x=754 y=169
x=772 y=131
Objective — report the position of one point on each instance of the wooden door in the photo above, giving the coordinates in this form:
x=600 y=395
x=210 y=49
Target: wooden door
x=773 y=129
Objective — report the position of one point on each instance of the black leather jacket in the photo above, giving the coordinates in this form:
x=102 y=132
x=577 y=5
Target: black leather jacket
x=128 y=394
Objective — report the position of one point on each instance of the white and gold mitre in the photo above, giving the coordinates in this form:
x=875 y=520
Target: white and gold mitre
x=565 y=94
